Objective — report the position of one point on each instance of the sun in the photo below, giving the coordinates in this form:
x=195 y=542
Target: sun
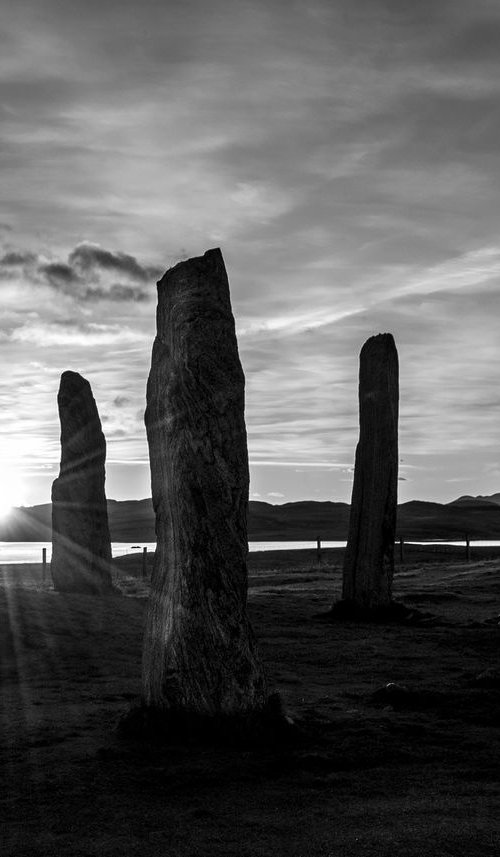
x=11 y=491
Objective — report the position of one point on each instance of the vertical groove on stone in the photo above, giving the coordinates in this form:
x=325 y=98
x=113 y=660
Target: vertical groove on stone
x=81 y=546
x=369 y=556
x=199 y=651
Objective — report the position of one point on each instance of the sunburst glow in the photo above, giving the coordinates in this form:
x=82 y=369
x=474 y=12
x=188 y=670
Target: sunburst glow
x=12 y=491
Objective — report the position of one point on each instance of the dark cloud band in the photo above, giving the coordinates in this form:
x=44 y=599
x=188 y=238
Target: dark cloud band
x=85 y=275
x=86 y=258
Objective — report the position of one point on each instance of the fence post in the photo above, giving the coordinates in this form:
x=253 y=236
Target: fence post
x=44 y=565
x=144 y=562
x=318 y=550
x=401 y=549
x=467 y=548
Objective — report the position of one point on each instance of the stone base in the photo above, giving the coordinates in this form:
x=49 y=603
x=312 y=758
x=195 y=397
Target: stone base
x=266 y=727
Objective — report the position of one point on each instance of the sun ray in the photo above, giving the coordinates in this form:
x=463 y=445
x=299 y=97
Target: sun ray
x=12 y=492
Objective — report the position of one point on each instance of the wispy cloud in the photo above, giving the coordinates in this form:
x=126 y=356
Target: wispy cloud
x=81 y=335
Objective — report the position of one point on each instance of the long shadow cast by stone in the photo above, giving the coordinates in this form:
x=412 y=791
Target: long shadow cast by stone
x=394 y=613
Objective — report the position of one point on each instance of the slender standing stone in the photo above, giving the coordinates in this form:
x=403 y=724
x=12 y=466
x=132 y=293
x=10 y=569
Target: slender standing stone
x=81 y=547
x=369 y=556
x=200 y=657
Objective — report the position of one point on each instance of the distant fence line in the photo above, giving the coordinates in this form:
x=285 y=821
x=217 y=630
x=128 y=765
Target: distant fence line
x=438 y=546
x=447 y=546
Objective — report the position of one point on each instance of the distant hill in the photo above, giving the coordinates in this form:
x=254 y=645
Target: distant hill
x=468 y=500
x=493 y=498
x=422 y=520
x=133 y=520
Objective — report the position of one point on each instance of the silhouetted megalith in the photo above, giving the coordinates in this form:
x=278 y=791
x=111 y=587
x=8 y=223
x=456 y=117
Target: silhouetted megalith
x=200 y=658
x=369 y=556
x=81 y=547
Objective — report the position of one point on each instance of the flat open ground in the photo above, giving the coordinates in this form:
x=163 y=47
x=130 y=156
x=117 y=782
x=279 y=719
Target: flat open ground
x=413 y=773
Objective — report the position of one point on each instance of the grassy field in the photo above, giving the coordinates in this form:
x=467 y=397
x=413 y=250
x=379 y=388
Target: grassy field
x=380 y=771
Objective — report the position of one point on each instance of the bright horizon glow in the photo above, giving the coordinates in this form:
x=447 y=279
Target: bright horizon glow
x=12 y=492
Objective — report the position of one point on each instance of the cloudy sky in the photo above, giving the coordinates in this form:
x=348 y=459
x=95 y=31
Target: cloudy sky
x=344 y=156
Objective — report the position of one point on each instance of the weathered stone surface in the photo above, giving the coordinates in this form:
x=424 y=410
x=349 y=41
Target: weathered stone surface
x=81 y=547
x=369 y=556
x=200 y=656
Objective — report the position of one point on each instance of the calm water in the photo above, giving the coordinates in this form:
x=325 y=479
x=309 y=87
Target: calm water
x=14 y=552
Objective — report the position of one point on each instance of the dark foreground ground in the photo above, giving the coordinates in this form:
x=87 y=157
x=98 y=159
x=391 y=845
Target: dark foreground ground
x=413 y=771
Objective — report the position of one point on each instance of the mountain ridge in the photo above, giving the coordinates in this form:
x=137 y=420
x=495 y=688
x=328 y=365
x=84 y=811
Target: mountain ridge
x=133 y=520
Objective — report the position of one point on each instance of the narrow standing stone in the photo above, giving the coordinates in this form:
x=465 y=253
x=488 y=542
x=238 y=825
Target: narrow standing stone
x=81 y=547
x=199 y=657
x=369 y=556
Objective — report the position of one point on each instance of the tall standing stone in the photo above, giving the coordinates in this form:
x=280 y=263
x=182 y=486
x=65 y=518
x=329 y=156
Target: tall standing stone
x=369 y=556
x=81 y=546
x=200 y=657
